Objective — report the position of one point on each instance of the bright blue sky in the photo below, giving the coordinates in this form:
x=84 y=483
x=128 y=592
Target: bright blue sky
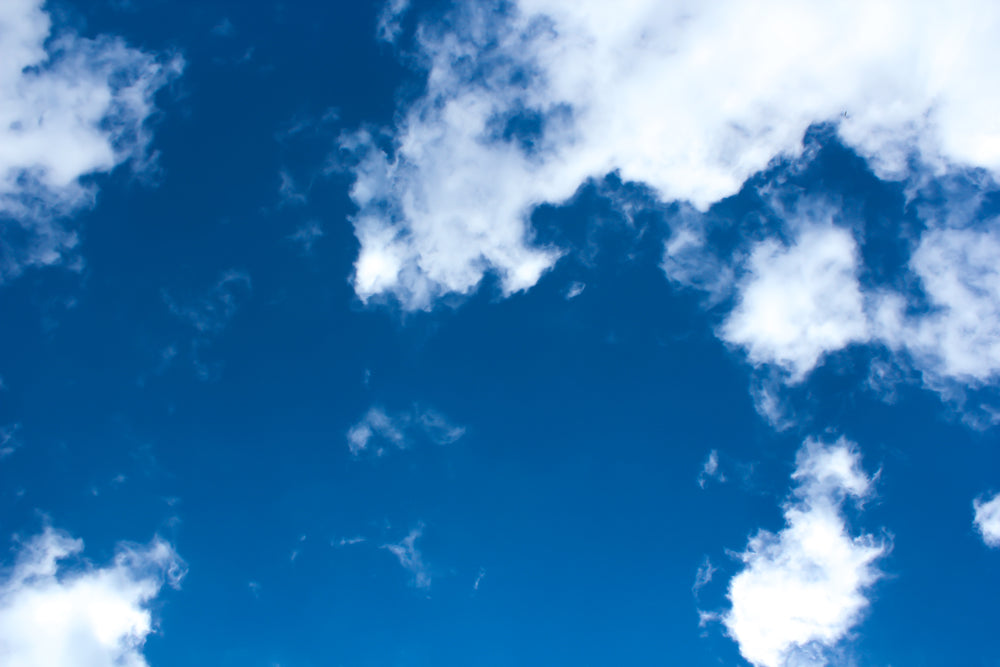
x=522 y=333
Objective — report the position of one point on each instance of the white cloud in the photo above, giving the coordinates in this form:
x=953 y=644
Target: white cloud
x=710 y=469
x=208 y=312
x=704 y=575
x=803 y=589
x=437 y=427
x=410 y=557
x=799 y=302
x=349 y=541
x=378 y=428
x=987 y=519
x=9 y=442
x=69 y=107
x=522 y=106
x=958 y=338
x=575 y=289
x=51 y=614
x=224 y=28
x=375 y=425
x=390 y=19
x=306 y=235
x=769 y=400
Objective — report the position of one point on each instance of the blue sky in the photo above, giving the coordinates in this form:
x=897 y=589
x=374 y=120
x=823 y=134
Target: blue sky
x=499 y=333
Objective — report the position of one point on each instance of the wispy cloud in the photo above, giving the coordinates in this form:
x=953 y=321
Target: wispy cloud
x=410 y=557
x=349 y=541
x=306 y=235
x=390 y=20
x=710 y=470
x=224 y=28
x=703 y=577
x=575 y=289
x=379 y=428
x=208 y=313
x=9 y=442
x=804 y=588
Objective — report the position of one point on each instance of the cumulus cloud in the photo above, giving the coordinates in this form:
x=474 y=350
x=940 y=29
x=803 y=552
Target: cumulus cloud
x=799 y=302
x=804 y=588
x=52 y=614
x=69 y=107
x=525 y=101
x=987 y=519
x=410 y=557
x=958 y=336
x=379 y=428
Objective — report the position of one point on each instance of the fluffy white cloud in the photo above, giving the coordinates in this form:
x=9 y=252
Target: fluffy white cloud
x=799 y=302
x=987 y=519
x=378 y=428
x=82 y=617
x=803 y=589
x=410 y=557
x=69 y=107
x=525 y=104
x=958 y=336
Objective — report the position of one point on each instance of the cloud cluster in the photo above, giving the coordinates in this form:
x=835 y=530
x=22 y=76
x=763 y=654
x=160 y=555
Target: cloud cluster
x=987 y=520
x=799 y=298
x=957 y=337
x=379 y=428
x=69 y=107
x=802 y=589
x=525 y=101
x=51 y=614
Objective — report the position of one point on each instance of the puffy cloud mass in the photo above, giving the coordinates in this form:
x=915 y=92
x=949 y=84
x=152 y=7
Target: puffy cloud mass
x=957 y=337
x=799 y=302
x=69 y=107
x=802 y=589
x=987 y=520
x=82 y=617
x=527 y=100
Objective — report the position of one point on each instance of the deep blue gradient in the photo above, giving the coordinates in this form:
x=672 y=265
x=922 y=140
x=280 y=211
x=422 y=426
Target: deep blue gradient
x=574 y=489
